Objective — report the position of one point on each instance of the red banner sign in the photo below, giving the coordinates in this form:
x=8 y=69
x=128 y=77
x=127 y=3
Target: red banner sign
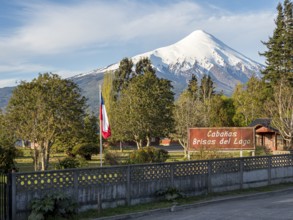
x=221 y=138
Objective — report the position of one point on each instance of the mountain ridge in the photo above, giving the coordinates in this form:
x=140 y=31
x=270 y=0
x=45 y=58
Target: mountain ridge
x=198 y=53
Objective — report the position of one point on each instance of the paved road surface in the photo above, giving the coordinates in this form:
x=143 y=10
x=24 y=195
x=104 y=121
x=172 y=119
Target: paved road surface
x=278 y=206
x=172 y=147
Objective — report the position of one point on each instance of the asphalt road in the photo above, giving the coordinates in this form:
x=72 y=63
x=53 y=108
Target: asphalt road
x=172 y=147
x=277 y=206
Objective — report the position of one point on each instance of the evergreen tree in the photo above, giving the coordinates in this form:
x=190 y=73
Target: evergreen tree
x=192 y=87
x=288 y=40
x=144 y=65
x=117 y=82
x=279 y=55
x=122 y=76
x=207 y=91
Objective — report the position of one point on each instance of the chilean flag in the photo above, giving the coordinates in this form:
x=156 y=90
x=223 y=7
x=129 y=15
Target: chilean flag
x=104 y=122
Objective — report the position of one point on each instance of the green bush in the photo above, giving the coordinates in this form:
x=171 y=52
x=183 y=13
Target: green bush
x=7 y=156
x=148 y=155
x=210 y=154
x=262 y=151
x=52 y=206
x=67 y=163
x=86 y=150
x=71 y=162
x=112 y=158
x=169 y=194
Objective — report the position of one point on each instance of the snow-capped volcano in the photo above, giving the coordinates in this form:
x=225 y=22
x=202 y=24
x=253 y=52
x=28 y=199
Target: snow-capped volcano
x=198 y=47
x=199 y=53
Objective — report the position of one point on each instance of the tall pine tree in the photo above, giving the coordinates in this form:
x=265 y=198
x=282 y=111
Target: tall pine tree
x=192 y=87
x=288 y=40
x=207 y=89
x=279 y=56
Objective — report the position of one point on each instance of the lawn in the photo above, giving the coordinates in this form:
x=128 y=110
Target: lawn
x=25 y=162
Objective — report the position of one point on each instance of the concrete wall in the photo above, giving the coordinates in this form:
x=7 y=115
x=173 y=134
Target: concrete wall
x=128 y=185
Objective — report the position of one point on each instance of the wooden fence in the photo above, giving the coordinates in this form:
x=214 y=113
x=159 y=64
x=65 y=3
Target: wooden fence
x=132 y=184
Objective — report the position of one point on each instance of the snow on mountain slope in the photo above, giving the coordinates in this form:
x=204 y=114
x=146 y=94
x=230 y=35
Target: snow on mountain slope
x=199 y=53
x=198 y=46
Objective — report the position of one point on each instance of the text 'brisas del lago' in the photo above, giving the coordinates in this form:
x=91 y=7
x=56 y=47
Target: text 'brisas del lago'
x=221 y=138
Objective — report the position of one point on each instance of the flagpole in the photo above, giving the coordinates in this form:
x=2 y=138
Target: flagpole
x=101 y=144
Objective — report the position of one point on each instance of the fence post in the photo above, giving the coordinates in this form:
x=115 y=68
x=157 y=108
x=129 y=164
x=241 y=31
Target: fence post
x=9 y=195
x=172 y=174
x=241 y=166
x=210 y=176
x=12 y=199
x=128 y=192
x=75 y=182
x=269 y=170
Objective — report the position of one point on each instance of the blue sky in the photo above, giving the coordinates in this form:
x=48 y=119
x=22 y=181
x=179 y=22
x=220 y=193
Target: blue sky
x=74 y=36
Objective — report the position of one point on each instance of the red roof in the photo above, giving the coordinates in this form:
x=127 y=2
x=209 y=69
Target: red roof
x=263 y=129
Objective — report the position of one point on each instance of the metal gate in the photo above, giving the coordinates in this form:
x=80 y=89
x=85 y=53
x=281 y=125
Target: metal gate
x=5 y=210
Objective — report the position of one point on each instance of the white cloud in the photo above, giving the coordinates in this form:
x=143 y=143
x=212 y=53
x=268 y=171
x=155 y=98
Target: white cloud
x=57 y=30
x=8 y=82
x=53 y=28
x=23 y=68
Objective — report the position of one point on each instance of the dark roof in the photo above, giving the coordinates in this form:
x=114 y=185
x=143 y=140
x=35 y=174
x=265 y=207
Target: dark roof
x=266 y=122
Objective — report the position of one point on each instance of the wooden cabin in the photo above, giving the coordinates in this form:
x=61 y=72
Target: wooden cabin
x=268 y=136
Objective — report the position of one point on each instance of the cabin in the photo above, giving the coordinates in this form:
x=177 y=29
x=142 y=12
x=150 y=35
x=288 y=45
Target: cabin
x=268 y=136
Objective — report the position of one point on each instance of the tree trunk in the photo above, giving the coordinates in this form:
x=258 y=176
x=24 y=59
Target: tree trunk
x=121 y=149
x=43 y=157
x=47 y=155
x=36 y=156
x=148 y=141
x=184 y=148
x=138 y=142
x=137 y=145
